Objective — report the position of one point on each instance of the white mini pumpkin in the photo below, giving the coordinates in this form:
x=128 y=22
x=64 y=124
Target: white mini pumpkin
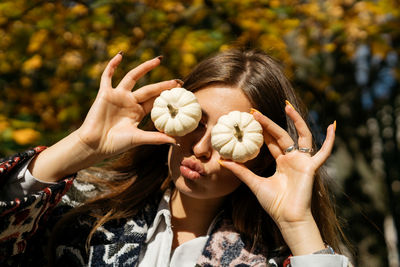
x=237 y=136
x=176 y=112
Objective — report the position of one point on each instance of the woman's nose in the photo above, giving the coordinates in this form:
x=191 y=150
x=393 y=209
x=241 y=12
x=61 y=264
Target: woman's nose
x=202 y=147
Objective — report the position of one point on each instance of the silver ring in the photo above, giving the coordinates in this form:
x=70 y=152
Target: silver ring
x=305 y=150
x=290 y=149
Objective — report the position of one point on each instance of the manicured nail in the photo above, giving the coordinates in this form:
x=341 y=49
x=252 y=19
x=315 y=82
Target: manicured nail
x=220 y=162
x=176 y=144
x=334 y=125
x=179 y=81
x=288 y=103
x=253 y=110
x=160 y=58
x=121 y=53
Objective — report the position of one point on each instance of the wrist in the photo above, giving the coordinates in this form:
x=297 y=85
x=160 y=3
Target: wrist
x=64 y=158
x=302 y=237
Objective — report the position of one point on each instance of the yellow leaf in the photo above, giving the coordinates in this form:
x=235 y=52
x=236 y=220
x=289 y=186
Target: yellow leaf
x=146 y=54
x=95 y=70
x=25 y=136
x=119 y=44
x=329 y=47
x=72 y=60
x=380 y=48
x=188 y=59
x=291 y=23
x=4 y=125
x=274 y=3
x=138 y=32
x=79 y=10
x=225 y=47
x=310 y=9
x=25 y=82
x=33 y=63
x=266 y=40
x=37 y=40
x=5 y=67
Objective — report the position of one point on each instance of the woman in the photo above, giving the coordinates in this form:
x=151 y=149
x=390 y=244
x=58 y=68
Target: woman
x=175 y=201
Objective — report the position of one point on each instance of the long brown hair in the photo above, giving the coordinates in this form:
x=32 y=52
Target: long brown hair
x=142 y=172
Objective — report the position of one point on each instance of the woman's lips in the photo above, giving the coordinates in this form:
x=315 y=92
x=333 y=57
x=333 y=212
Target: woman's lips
x=191 y=169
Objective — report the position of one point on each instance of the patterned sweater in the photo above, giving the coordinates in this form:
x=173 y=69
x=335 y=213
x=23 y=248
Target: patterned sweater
x=26 y=224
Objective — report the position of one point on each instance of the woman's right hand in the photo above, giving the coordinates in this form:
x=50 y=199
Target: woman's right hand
x=110 y=127
x=111 y=124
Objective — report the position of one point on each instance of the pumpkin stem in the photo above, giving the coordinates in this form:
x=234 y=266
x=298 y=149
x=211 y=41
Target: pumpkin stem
x=238 y=133
x=172 y=110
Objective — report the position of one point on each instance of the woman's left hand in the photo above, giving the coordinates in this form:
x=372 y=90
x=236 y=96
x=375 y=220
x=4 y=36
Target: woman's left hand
x=286 y=195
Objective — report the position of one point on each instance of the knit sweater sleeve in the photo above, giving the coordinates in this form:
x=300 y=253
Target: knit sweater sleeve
x=21 y=217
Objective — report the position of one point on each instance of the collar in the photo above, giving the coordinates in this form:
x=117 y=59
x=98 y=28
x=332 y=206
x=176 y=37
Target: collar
x=163 y=213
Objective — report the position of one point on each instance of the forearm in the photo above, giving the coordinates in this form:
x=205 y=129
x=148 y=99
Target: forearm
x=302 y=237
x=66 y=157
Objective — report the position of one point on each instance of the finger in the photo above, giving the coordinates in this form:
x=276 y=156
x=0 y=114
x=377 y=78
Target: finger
x=152 y=90
x=148 y=105
x=105 y=81
x=322 y=155
x=305 y=136
x=272 y=145
x=180 y=82
x=280 y=135
x=132 y=76
x=242 y=172
x=155 y=138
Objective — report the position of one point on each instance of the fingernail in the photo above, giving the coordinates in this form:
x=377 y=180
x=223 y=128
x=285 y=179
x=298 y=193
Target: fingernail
x=288 y=103
x=121 y=53
x=334 y=125
x=220 y=162
x=253 y=110
x=160 y=58
x=179 y=81
x=176 y=144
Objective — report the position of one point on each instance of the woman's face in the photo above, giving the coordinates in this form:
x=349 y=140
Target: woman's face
x=193 y=165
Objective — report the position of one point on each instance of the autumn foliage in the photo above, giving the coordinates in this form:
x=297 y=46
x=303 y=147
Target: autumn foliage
x=52 y=53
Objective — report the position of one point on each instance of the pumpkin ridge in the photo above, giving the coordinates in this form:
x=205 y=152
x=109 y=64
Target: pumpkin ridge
x=252 y=142
x=189 y=106
x=237 y=151
x=228 y=124
x=227 y=149
x=222 y=128
x=185 y=98
x=171 y=126
x=182 y=116
x=223 y=142
x=157 y=112
x=187 y=102
x=161 y=122
x=245 y=123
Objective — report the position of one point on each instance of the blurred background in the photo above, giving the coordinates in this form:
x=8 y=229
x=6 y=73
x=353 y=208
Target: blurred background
x=341 y=55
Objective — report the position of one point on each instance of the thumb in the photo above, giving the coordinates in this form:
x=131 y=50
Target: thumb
x=241 y=172
x=153 y=138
